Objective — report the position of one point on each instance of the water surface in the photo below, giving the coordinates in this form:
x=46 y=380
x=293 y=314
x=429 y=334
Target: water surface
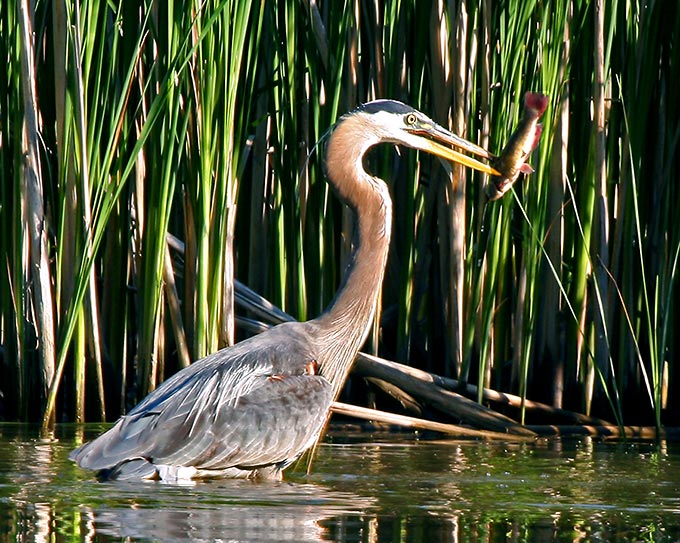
x=363 y=487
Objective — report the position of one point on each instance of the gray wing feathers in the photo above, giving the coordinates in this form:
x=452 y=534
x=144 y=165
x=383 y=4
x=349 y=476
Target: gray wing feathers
x=225 y=410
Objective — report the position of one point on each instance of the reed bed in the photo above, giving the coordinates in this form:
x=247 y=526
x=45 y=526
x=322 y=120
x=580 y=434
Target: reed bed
x=124 y=126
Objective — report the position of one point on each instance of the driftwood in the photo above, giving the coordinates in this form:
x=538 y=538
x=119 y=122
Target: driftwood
x=597 y=431
x=408 y=402
x=421 y=384
x=421 y=424
x=368 y=365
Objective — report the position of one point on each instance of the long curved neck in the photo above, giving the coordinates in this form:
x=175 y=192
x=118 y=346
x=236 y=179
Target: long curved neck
x=346 y=322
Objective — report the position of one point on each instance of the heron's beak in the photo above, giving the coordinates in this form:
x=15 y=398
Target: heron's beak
x=432 y=138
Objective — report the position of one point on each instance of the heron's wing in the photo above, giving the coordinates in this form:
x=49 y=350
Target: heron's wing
x=135 y=435
x=273 y=424
x=218 y=413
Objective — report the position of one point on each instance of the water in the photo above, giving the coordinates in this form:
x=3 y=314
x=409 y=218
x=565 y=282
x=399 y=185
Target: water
x=363 y=488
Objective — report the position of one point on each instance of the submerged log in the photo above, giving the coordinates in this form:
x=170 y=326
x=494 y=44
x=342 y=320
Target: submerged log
x=608 y=431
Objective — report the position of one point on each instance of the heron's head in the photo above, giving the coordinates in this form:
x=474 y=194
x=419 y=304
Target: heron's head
x=390 y=121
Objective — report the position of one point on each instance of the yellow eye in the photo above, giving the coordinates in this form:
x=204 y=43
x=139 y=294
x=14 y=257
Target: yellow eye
x=410 y=119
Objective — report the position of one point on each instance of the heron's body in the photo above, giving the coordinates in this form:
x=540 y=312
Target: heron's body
x=246 y=411
x=252 y=409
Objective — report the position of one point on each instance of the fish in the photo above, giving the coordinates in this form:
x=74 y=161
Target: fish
x=512 y=160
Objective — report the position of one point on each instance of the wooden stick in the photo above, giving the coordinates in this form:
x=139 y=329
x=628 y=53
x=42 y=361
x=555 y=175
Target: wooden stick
x=408 y=402
x=597 y=431
x=174 y=309
x=421 y=424
x=368 y=365
x=445 y=400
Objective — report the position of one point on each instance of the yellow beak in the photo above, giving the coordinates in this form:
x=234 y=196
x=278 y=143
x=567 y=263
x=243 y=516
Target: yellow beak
x=436 y=134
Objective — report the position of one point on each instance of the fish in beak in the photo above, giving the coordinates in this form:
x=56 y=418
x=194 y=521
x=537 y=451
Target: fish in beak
x=512 y=160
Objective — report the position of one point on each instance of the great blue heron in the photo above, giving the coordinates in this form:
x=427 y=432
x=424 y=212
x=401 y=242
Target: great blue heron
x=252 y=409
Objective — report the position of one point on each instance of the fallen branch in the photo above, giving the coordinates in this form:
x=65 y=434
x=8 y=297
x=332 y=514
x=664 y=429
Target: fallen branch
x=421 y=424
x=546 y=430
x=368 y=365
x=444 y=400
x=407 y=402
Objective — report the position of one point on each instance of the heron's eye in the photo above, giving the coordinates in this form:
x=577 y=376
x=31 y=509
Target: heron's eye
x=410 y=119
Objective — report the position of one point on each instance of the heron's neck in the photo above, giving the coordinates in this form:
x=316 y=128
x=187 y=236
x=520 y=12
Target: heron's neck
x=346 y=322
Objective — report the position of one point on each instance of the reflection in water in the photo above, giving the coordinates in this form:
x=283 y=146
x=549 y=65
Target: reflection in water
x=229 y=511
x=363 y=488
x=235 y=511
